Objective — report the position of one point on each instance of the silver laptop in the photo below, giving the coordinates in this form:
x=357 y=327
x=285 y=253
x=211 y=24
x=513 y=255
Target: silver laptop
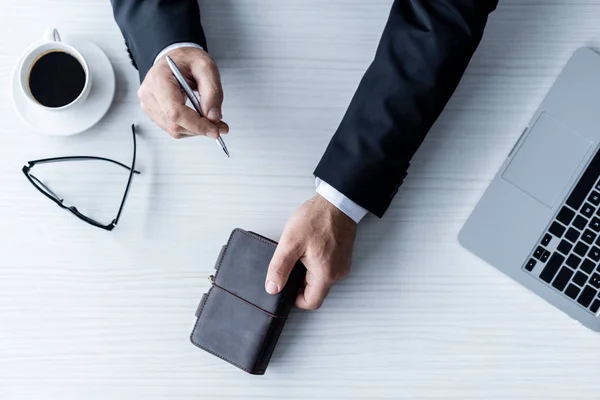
x=539 y=220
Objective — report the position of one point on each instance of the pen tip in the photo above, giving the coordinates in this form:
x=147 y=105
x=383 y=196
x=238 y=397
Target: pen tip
x=221 y=144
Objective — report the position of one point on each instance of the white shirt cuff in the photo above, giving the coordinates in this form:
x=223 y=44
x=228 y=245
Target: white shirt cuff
x=344 y=204
x=176 y=46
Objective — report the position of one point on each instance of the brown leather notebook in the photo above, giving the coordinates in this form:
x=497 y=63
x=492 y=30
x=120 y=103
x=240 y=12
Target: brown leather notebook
x=238 y=320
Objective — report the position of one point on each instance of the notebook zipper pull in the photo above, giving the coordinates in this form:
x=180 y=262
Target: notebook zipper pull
x=211 y=278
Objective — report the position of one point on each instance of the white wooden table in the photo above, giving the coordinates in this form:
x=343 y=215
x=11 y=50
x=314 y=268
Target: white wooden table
x=86 y=314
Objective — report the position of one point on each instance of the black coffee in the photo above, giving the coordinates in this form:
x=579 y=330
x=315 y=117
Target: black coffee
x=56 y=79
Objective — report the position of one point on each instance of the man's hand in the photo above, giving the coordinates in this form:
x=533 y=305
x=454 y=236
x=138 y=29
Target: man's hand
x=163 y=100
x=322 y=237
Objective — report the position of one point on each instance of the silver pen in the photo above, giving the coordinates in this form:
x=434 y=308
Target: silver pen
x=190 y=94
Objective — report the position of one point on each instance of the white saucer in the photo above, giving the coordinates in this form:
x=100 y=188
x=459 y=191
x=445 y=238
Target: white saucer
x=81 y=116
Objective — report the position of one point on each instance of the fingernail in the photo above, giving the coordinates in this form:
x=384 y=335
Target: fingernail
x=272 y=287
x=214 y=114
x=222 y=130
x=212 y=135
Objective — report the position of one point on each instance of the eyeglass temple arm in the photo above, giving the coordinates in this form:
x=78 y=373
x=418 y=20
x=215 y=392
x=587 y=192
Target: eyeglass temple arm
x=78 y=158
x=132 y=169
x=45 y=187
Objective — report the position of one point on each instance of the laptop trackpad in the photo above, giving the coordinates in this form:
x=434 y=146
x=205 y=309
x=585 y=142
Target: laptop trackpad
x=547 y=159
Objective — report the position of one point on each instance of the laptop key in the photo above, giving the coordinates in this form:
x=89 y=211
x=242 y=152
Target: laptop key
x=588 y=236
x=572 y=235
x=595 y=224
x=595 y=306
x=562 y=278
x=565 y=215
x=595 y=280
x=587 y=210
x=552 y=267
x=538 y=252
x=580 y=222
x=586 y=296
x=572 y=291
x=545 y=256
x=557 y=229
x=573 y=261
x=546 y=240
x=580 y=278
x=581 y=249
x=594 y=253
x=564 y=247
x=530 y=264
x=594 y=198
x=588 y=266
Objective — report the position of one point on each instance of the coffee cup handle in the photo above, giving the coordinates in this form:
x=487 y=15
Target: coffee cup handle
x=51 y=35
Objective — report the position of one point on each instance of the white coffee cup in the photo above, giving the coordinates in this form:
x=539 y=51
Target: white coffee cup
x=51 y=42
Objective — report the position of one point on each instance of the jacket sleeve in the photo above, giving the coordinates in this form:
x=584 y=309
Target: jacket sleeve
x=423 y=53
x=151 y=25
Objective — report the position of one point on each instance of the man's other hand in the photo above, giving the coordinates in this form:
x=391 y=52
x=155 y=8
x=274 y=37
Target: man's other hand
x=163 y=100
x=322 y=237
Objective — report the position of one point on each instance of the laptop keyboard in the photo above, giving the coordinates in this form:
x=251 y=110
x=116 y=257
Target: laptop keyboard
x=567 y=256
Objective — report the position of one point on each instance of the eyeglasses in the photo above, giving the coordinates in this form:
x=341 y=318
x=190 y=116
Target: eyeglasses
x=46 y=191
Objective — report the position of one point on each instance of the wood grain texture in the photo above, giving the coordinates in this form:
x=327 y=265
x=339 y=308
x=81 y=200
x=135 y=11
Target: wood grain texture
x=85 y=314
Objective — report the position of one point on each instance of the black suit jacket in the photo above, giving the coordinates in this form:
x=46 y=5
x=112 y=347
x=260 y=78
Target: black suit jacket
x=151 y=25
x=424 y=51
